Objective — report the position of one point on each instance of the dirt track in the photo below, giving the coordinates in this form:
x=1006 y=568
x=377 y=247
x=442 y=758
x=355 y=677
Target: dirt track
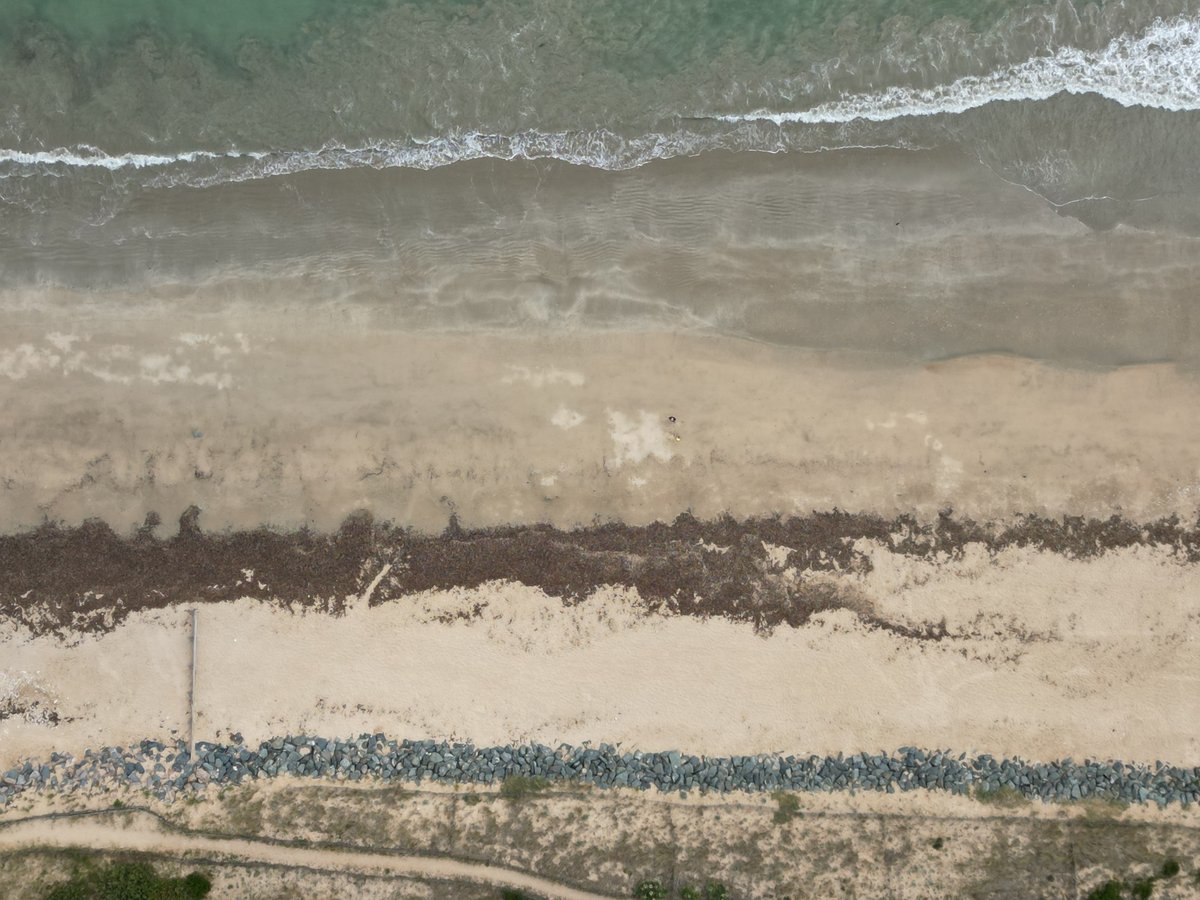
x=141 y=832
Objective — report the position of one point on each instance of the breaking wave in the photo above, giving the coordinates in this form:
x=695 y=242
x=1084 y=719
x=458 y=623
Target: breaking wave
x=1158 y=69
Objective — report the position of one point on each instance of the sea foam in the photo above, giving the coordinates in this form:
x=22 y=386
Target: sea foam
x=600 y=148
x=85 y=156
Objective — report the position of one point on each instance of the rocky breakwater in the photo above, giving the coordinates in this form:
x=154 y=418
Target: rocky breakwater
x=168 y=771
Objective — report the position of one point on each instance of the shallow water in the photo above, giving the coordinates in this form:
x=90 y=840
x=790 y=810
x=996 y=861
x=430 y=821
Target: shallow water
x=313 y=83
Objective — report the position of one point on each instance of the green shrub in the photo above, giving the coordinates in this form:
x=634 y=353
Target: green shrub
x=517 y=787
x=687 y=892
x=130 y=881
x=1170 y=868
x=651 y=889
x=1110 y=890
x=197 y=885
x=510 y=894
x=1142 y=889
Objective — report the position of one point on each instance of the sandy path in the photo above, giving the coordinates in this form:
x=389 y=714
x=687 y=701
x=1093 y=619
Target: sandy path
x=141 y=833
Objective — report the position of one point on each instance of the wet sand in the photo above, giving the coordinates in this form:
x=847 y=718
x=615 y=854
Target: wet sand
x=921 y=254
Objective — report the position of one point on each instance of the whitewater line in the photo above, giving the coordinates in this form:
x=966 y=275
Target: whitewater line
x=85 y=156
x=601 y=149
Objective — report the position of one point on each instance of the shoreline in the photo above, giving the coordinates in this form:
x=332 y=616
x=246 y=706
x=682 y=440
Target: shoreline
x=600 y=450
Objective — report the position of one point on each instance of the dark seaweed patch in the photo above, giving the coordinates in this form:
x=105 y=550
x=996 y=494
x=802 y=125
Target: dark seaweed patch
x=60 y=580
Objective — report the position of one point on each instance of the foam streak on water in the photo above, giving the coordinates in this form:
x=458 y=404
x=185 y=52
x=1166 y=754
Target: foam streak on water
x=600 y=149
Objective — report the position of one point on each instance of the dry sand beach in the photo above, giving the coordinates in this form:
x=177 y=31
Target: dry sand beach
x=261 y=425
x=1043 y=657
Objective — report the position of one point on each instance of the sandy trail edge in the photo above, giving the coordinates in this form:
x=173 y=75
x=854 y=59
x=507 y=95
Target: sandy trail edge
x=143 y=833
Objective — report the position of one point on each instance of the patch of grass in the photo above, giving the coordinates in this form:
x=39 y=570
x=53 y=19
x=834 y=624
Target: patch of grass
x=938 y=843
x=518 y=787
x=788 y=807
x=714 y=890
x=245 y=815
x=472 y=799
x=1100 y=808
x=129 y=881
x=510 y=894
x=1005 y=797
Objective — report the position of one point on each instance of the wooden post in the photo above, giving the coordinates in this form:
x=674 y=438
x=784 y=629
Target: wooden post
x=192 y=696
